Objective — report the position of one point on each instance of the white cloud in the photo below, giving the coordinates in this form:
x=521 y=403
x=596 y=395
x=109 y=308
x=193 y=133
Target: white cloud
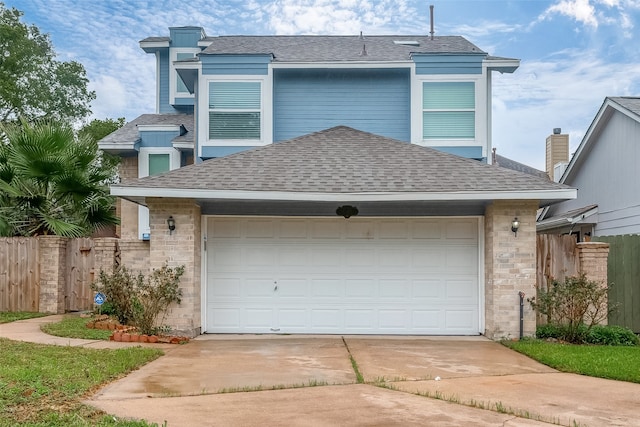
x=580 y=10
x=565 y=92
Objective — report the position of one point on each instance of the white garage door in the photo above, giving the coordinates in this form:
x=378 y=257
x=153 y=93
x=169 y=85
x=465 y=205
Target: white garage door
x=338 y=276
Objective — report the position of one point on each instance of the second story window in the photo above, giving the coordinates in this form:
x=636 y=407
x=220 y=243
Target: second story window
x=181 y=88
x=448 y=110
x=235 y=110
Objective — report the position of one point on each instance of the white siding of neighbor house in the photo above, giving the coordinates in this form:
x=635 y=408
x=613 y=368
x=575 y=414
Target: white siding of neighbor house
x=609 y=176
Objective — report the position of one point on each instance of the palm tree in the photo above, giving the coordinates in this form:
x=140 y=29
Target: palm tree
x=52 y=182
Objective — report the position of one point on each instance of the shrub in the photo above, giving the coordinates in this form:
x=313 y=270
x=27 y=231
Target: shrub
x=118 y=287
x=139 y=300
x=153 y=296
x=575 y=306
x=560 y=332
x=612 y=335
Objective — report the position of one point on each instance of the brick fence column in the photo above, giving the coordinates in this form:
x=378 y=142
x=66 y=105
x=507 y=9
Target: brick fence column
x=53 y=254
x=592 y=261
x=105 y=252
x=510 y=267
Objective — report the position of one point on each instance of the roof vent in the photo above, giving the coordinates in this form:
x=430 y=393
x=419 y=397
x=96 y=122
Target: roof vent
x=407 y=42
x=364 y=50
x=361 y=36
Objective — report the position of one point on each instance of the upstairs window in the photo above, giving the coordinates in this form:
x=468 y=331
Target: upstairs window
x=235 y=110
x=448 y=110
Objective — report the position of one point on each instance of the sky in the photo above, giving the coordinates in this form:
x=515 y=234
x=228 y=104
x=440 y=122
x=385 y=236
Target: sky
x=573 y=53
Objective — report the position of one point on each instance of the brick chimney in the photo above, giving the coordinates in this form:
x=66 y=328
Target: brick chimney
x=557 y=154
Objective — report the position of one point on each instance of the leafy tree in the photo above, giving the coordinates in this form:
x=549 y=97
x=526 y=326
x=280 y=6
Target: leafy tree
x=52 y=182
x=98 y=129
x=33 y=84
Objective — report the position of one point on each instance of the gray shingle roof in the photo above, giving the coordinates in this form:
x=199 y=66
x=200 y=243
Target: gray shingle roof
x=520 y=167
x=628 y=102
x=345 y=160
x=128 y=134
x=338 y=48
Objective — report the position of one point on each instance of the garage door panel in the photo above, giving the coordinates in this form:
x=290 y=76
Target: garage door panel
x=327 y=288
x=326 y=319
x=360 y=320
x=360 y=289
x=224 y=287
x=328 y=275
x=428 y=289
x=395 y=289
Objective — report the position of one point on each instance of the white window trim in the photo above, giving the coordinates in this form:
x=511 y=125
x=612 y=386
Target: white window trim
x=143 y=170
x=266 y=114
x=173 y=75
x=481 y=125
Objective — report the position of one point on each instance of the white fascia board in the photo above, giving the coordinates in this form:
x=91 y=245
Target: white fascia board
x=183 y=145
x=150 y=45
x=562 y=194
x=353 y=64
x=190 y=65
x=205 y=43
x=117 y=146
x=502 y=65
x=587 y=139
x=159 y=128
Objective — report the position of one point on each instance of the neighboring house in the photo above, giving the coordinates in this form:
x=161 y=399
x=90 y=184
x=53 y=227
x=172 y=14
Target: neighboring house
x=605 y=171
x=346 y=187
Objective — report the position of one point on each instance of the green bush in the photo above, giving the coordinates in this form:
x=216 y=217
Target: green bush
x=139 y=300
x=119 y=287
x=612 y=335
x=573 y=305
x=561 y=332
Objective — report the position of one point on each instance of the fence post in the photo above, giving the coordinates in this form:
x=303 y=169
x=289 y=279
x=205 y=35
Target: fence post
x=53 y=252
x=593 y=257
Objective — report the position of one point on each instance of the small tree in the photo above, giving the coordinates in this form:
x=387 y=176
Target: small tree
x=139 y=300
x=575 y=305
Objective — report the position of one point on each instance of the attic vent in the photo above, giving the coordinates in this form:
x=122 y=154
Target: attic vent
x=407 y=42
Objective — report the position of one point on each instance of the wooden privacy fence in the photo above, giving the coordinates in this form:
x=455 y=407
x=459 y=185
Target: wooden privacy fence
x=19 y=274
x=559 y=257
x=52 y=274
x=624 y=274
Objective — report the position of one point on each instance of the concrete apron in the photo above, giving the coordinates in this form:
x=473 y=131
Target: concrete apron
x=296 y=380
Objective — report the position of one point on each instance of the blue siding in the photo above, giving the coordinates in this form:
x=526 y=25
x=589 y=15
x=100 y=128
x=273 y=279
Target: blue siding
x=374 y=100
x=211 y=152
x=472 y=152
x=157 y=138
x=448 y=64
x=235 y=64
x=185 y=36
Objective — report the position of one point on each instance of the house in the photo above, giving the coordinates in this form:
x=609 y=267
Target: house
x=604 y=169
x=329 y=184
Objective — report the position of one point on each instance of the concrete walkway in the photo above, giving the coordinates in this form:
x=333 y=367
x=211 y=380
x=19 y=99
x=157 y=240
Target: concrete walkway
x=309 y=380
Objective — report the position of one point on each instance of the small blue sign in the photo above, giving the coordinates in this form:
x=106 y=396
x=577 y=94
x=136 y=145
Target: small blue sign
x=100 y=298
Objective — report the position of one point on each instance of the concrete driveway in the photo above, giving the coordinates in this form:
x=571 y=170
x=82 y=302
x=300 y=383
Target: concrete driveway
x=311 y=381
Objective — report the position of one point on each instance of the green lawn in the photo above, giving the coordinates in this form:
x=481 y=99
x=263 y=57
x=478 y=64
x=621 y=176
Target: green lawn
x=74 y=326
x=6 y=317
x=612 y=362
x=43 y=385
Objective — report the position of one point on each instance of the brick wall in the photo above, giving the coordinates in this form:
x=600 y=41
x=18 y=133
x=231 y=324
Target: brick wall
x=593 y=258
x=510 y=267
x=180 y=247
x=134 y=255
x=126 y=210
x=52 y=253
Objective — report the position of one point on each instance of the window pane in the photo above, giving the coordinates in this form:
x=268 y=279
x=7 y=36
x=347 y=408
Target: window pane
x=448 y=95
x=234 y=125
x=158 y=163
x=180 y=86
x=234 y=95
x=448 y=124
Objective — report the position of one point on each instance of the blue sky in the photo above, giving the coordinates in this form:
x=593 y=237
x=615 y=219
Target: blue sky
x=573 y=52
